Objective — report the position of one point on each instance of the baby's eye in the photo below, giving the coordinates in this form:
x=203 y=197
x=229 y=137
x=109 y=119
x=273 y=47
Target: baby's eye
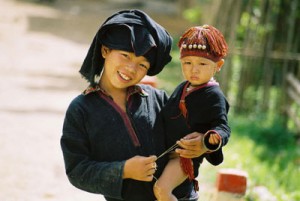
x=187 y=63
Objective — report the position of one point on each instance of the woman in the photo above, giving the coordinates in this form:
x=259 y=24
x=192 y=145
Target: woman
x=108 y=138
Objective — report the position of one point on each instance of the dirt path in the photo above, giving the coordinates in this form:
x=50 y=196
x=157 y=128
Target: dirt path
x=37 y=75
x=41 y=49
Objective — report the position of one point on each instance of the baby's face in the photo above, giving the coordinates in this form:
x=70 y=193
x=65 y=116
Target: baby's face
x=198 y=70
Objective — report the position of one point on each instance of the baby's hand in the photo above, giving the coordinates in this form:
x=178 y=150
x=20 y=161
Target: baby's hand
x=214 y=139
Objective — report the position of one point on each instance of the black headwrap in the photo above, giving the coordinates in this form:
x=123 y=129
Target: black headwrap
x=133 y=31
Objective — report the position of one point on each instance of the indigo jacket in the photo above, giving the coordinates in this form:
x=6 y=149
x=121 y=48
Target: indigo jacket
x=98 y=137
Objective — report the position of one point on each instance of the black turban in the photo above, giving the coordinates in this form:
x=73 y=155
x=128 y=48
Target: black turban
x=133 y=31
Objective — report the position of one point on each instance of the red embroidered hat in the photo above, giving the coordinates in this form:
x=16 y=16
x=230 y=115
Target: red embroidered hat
x=203 y=41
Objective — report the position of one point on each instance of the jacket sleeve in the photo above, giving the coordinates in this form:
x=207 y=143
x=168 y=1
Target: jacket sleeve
x=84 y=173
x=219 y=122
x=219 y=125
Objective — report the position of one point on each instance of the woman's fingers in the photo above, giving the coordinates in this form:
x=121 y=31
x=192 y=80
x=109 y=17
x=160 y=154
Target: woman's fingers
x=141 y=168
x=187 y=153
x=192 y=136
x=191 y=146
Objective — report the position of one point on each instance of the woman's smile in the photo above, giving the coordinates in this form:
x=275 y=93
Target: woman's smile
x=124 y=77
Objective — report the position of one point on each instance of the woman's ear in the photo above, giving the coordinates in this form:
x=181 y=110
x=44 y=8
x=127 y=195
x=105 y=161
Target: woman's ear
x=104 y=51
x=220 y=64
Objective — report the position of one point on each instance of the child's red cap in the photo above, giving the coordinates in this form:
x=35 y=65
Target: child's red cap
x=203 y=41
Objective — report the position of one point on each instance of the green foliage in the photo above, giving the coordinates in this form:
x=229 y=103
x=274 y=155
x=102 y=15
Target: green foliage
x=251 y=30
x=267 y=152
x=271 y=156
x=171 y=75
x=193 y=14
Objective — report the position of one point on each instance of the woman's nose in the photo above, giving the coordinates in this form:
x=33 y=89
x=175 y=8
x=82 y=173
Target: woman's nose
x=131 y=67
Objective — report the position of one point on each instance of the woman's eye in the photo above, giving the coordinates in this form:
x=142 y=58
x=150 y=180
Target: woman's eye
x=144 y=66
x=125 y=55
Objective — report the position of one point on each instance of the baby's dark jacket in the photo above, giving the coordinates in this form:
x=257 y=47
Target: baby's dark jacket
x=207 y=110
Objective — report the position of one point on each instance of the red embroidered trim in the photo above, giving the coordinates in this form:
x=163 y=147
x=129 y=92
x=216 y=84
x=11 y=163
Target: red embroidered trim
x=125 y=118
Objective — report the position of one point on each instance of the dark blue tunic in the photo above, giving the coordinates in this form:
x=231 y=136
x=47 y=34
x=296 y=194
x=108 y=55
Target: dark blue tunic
x=98 y=137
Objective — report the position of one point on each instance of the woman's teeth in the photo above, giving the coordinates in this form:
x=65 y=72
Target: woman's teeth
x=125 y=77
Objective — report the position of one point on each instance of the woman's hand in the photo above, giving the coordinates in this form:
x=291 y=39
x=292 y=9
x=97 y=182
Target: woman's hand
x=192 y=145
x=140 y=168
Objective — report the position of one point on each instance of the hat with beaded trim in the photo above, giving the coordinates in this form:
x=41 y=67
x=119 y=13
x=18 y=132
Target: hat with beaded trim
x=203 y=41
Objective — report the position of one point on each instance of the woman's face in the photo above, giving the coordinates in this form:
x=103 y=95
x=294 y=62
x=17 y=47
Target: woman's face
x=199 y=70
x=122 y=69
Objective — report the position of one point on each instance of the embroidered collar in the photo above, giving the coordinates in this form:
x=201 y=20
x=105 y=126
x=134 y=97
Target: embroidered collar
x=91 y=89
x=130 y=91
x=210 y=83
x=186 y=92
